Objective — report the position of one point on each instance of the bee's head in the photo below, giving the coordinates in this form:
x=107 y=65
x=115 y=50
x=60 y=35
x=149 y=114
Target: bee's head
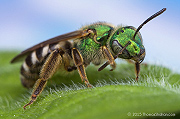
x=130 y=38
x=121 y=37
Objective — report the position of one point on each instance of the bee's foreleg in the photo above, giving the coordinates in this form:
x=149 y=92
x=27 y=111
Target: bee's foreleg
x=78 y=60
x=137 y=69
x=110 y=58
x=48 y=69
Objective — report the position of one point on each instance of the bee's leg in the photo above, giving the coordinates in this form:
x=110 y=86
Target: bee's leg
x=93 y=31
x=78 y=60
x=131 y=62
x=66 y=61
x=48 y=69
x=137 y=69
x=110 y=59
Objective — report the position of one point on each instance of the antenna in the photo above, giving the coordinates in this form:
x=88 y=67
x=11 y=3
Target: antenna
x=149 y=19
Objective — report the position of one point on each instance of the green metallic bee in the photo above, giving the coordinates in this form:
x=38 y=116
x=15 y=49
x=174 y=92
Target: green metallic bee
x=96 y=43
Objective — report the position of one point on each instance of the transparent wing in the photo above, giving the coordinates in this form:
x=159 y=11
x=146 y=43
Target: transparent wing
x=64 y=37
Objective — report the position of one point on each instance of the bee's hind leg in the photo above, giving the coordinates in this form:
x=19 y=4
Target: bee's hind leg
x=48 y=69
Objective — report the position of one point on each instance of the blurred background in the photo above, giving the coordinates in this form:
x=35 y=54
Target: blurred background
x=26 y=23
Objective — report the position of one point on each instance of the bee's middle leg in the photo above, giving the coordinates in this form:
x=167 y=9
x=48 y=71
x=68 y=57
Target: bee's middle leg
x=78 y=60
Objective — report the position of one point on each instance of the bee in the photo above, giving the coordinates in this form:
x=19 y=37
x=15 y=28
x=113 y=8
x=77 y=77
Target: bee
x=97 y=43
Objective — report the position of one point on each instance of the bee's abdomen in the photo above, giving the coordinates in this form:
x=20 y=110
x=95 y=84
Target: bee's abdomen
x=32 y=65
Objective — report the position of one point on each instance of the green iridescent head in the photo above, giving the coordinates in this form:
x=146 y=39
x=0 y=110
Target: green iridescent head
x=121 y=37
x=130 y=38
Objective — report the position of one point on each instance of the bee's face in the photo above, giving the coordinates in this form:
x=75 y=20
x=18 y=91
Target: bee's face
x=121 y=37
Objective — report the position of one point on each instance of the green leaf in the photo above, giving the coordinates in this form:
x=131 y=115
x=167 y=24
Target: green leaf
x=115 y=94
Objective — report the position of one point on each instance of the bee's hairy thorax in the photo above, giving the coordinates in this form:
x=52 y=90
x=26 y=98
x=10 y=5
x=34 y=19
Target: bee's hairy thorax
x=90 y=50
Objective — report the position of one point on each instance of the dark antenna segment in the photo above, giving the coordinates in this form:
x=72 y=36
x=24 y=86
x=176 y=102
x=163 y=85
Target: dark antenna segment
x=149 y=19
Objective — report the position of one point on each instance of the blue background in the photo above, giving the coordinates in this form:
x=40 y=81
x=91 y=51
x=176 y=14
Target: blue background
x=24 y=23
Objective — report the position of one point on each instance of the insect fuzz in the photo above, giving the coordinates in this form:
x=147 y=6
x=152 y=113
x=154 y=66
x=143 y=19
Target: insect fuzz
x=33 y=63
x=96 y=43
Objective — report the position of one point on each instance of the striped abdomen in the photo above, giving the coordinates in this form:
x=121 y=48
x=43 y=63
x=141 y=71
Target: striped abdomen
x=33 y=63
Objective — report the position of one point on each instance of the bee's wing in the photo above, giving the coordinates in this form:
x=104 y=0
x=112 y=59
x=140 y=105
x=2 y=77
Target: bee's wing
x=64 y=37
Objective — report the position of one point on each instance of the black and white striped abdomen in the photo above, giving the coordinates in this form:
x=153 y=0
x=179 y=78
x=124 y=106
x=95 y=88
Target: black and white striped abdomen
x=33 y=63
